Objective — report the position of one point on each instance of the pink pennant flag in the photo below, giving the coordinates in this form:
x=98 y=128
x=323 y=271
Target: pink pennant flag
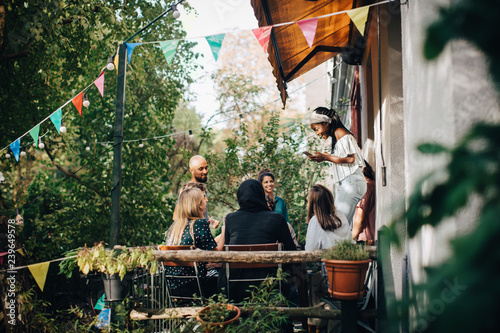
x=262 y=34
x=308 y=28
x=99 y=83
x=78 y=102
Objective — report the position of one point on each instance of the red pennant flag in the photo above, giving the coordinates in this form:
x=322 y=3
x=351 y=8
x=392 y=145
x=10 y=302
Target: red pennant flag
x=308 y=28
x=99 y=83
x=262 y=34
x=78 y=102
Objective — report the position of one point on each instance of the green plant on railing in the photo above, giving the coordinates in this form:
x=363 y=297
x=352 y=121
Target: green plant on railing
x=346 y=250
x=99 y=259
x=259 y=317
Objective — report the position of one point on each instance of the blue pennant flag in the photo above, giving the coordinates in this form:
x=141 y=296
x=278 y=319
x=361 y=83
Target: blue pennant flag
x=130 y=49
x=14 y=146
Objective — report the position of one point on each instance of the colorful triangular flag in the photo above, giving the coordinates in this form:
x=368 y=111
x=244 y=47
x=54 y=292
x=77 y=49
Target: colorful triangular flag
x=99 y=83
x=359 y=17
x=35 y=132
x=115 y=61
x=39 y=272
x=215 y=43
x=168 y=48
x=78 y=102
x=130 y=49
x=263 y=34
x=14 y=146
x=308 y=28
x=56 y=120
x=99 y=305
x=104 y=320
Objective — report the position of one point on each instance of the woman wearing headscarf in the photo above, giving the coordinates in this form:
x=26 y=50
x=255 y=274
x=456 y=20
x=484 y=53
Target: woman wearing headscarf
x=345 y=158
x=253 y=223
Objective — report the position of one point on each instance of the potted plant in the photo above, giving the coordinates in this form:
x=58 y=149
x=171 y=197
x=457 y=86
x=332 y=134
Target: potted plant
x=346 y=264
x=114 y=265
x=218 y=314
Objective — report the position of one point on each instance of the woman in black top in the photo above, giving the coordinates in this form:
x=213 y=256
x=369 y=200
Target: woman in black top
x=253 y=223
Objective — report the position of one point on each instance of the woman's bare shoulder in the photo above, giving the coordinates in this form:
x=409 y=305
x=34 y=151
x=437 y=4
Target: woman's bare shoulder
x=340 y=133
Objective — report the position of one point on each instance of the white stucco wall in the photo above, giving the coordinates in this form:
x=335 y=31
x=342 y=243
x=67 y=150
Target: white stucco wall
x=442 y=99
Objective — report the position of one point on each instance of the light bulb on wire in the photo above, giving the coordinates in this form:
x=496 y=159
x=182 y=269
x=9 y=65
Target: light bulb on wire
x=23 y=152
x=86 y=101
x=41 y=145
x=62 y=129
x=141 y=144
x=87 y=148
x=7 y=155
x=175 y=13
x=34 y=144
x=190 y=133
x=111 y=65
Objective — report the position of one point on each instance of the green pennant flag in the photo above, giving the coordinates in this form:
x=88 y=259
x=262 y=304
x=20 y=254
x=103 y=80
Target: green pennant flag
x=35 y=132
x=168 y=49
x=56 y=120
x=215 y=43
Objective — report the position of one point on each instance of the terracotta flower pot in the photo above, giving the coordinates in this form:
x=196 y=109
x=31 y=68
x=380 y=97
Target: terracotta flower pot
x=211 y=327
x=346 y=278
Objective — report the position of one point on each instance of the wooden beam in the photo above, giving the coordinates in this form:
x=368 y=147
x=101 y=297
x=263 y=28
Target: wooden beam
x=261 y=257
x=321 y=310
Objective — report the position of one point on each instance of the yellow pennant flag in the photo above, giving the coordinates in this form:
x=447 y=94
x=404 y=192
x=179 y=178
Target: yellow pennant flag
x=21 y=252
x=359 y=17
x=115 y=61
x=39 y=272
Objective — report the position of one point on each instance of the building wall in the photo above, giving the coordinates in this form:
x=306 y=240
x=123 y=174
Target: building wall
x=442 y=99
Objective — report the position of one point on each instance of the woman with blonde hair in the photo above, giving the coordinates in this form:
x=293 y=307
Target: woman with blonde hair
x=190 y=228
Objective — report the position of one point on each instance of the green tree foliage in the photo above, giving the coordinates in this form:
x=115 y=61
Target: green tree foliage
x=50 y=51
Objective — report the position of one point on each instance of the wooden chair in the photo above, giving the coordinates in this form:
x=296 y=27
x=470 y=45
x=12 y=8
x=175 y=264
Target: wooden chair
x=175 y=299
x=251 y=247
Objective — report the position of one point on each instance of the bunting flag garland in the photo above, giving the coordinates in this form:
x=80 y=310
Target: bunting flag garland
x=168 y=48
x=14 y=146
x=308 y=28
x=215 y=43
x=99 y=83
x=78 y=102
x=56 y=120
x=130 y=49
x=39 y=272
x=263 y=34
x=35 y=132
x=359 y=17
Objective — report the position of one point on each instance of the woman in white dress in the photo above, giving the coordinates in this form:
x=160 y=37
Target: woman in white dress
x=345 y=158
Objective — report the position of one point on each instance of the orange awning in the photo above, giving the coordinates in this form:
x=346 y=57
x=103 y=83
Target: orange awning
x=289 y=53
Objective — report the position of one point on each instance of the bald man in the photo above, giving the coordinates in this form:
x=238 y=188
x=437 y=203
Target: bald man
x=199 y=174
x=199 y=169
